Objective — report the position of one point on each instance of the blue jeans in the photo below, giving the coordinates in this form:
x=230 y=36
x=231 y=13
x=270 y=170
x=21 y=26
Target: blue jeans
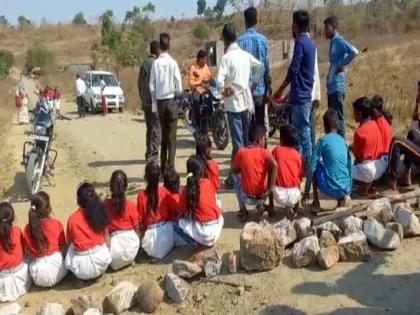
x=336 y=101
x=239 y=128
x=242 y=197
x=300 y=118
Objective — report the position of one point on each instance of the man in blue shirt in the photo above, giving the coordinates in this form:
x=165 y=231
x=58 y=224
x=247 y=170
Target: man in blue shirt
x=257 y=45
x=301 y=77
x=342 y=54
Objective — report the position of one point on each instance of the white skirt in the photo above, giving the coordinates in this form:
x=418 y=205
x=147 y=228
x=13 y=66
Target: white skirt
x=158 y=240
x=286 y=197
x=23 y=115
x=370 y=171
x=204 y=233
x=57 y=104
x=124 y=248
x=88 y=264
x=48 y=271
x=14 y=283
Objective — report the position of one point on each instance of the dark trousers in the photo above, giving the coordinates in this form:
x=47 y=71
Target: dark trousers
x=336 y=101
x=408 y=147
x=258 y=117
x=168 y=116
x=153 y=134
x=313 y=124
x=80 y=106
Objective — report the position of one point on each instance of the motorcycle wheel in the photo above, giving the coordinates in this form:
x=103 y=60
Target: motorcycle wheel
x=34 y=173
x=220 y=130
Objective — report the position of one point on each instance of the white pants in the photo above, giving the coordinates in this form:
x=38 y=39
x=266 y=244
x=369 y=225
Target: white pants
x=14 y=283
x=286 y=197
x=124 y=248
x=48 y=271
x=57 y=104
x=204 y=233
x=158 y=240
x=88 y=264
x=218 y=201
x=369 y=171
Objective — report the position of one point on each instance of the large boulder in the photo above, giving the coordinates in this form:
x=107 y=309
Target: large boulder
x=186 y=269
x=381 y=210
x=286 y=232
x=149 y=296
x=50 y=309
x=408 y=220
x=11 y=309
x=354 y=247
x=93 y=311
x=121 y=298
x=303 y=227
x=330 y=227
x=397 y=228
x=211 y=263
x=305 y=251
x=328 y=257
x=327 y=239
x=260 y=247
x=380 y=237
x=82 y=303
x=176 y=288
x=351 y=225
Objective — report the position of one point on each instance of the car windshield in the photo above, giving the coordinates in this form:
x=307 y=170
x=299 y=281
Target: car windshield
x=109 y=80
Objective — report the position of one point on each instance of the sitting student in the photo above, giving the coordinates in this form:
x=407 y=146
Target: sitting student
x=330 y=168
x=384 y=120
x=14 y=274
x=45 y=242
x=367 y=147
x=289 y=171
x=201 y=221
x=88 y=256
x=123 y=223
x=172 y=182
x=416 y=113
x=255 y=173
x=155 y=217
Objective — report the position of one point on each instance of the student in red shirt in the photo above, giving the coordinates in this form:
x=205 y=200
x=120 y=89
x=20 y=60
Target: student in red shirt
x=171 y=181
x=155 y=217
x=255 y=174
x=286 y=193
x=201 y=221
x=384 y=120
x=14 y=274
x=367 y=148
x=123 y=223
x=88 y=256
x=45 y=242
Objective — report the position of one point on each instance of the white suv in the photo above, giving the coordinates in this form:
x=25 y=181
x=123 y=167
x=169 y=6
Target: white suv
x=112 y=91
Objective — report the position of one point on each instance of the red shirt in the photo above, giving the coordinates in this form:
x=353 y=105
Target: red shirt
x=207 y=209
x=289 y=161
x=386 y=133
x=15 y=257
x=57 y=94
x=126 y=220
x=54 y=232
x=81 y=234
x=213 y=173
x=367 y=144
x=252 y=164
x=163 y=211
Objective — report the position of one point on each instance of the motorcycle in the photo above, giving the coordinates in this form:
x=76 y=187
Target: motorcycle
x=211 y=114
x=278 y=114
x=38 y=156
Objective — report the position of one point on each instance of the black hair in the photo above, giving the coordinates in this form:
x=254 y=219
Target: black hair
x=202 y=148
x=40 y=209
x=154 y=47
x=201 y=54
x=164 y=41
x=77 y=76
x=331 y=20
x=195 y=169
x=289 y=136
x=330 y=119
x=364 y=106
x=171 y=181
x=302 y=20
x=256 y=132
x=7 y=216
x=378 y=104
x=152 y=175
x=229 y=33
x=95 y=212
x=118 y=186
x=251 y=17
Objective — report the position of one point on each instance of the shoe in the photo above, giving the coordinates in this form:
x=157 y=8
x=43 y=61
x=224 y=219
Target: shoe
x=228 y=183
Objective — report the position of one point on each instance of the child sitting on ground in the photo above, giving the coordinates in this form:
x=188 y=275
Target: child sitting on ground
x=172 y=182
x=255 y=173
x=384 y=120
x=286 y=193
x=367 y=148
x=14 y=274
x=330 y=168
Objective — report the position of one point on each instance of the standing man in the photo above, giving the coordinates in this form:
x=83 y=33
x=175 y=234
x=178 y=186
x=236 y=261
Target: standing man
x=301 y=77
x=233 y=79
x=342 y=54
x=257 y=45
x=316 y=101
x=165 y=83
x=153 y=135
x=80 y=92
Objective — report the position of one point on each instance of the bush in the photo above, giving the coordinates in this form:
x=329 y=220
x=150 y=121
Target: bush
x=39 y=57
x=79 y=19
x=201 y=33
x=7 y=60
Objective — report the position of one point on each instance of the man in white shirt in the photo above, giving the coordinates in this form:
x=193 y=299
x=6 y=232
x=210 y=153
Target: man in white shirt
x=165 y=83
x=233 y=78
x=80 y=91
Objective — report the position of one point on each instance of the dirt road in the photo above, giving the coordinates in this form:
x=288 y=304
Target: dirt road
x=90 y=149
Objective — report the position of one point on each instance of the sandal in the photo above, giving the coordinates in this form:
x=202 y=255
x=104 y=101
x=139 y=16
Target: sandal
x=243 y=215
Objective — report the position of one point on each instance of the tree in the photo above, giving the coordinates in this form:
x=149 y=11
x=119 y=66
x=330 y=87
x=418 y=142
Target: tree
x=149 y=8
x=7 y=60
x=79 y=19
x=4 y=23
x=39 y=56
x=201 y=33
x=219 y=8
x=24 y=23
x=201 y=7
